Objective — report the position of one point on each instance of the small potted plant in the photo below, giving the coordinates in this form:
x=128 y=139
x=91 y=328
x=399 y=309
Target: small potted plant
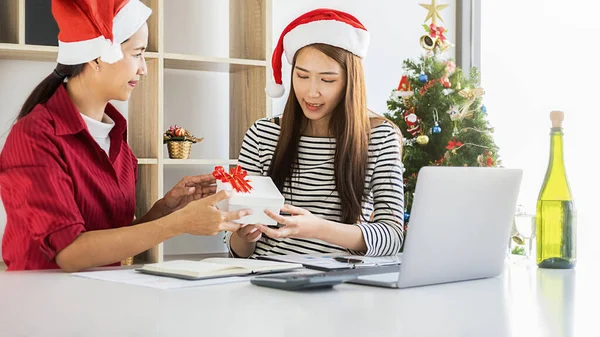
x=179 y=142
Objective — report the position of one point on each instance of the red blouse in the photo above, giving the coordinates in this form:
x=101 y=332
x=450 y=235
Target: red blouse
x=56 y=182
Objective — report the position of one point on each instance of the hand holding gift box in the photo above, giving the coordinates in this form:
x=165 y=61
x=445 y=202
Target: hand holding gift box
x=258 y=194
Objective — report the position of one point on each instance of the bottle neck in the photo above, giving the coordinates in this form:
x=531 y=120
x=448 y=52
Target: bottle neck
x=556 y=186
x=556 y=149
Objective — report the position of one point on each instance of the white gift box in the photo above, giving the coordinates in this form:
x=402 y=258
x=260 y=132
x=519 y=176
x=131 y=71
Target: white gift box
x=263 y=195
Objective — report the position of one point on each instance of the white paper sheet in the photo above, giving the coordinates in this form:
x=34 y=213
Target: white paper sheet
x=132 y=277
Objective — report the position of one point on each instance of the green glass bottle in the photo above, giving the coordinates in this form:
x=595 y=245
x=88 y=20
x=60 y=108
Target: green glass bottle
x=556 y=228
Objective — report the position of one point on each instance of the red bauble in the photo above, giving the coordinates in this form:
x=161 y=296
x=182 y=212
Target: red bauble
x=180 y=132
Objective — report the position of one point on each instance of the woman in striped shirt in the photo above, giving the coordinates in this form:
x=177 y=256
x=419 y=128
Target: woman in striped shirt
x=338 y=168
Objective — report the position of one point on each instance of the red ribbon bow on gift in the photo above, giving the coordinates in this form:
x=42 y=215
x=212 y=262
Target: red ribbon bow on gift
x=236 y=177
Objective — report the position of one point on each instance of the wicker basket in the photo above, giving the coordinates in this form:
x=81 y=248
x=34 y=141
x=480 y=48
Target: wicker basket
x=127 y=262
x=179 y=149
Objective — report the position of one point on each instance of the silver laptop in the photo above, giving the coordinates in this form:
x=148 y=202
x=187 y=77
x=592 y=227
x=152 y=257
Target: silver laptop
x=459 y=227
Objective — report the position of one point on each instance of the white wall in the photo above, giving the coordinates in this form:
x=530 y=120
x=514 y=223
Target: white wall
x=544 y=60
x=395 y=28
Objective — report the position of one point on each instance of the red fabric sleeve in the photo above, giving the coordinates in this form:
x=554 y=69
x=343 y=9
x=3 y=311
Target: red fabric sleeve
x=36 y=190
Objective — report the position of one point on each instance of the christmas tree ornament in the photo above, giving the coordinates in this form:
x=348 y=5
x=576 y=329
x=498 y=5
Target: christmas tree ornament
x=450 y=67
x=480 y=160
x=483 y=109
x=472 y=94
x=446 y=82
x=441 y=45
x=429 y=85
x=404 y=90
x=408 y=142
x=453 y=113
x=404 y=86
x=406 y=216
x=413 y=123
x=453 y=144
x=433 y=11
x=436 y=129
x=423 y=78
x=422 y=140
x=427 y=42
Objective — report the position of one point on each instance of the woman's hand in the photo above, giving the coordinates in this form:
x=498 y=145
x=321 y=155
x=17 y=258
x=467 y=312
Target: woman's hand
x=249 y=233
x=187 y=190
x=301 y=224
x=201 y=217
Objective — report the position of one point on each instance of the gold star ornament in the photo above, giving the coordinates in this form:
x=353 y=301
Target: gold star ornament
x=434 y=11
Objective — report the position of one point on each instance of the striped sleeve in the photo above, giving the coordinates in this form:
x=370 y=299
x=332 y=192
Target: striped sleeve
x=249 y=158
x=384 y=235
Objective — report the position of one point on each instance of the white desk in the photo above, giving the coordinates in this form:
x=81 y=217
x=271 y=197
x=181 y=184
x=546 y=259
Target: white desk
x=525 y=301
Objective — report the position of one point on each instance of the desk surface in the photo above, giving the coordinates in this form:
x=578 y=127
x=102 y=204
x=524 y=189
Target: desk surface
x=524 y=301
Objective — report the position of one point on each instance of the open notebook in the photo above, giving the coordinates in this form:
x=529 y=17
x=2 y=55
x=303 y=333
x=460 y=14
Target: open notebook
x=215 y=267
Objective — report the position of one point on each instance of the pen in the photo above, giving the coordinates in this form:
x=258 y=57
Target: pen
x=347 y=259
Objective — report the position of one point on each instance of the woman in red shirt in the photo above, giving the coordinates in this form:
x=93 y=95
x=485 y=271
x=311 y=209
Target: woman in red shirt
x=67 y=175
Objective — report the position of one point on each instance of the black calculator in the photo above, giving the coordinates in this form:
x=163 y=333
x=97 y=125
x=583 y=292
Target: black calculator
x=304 y=281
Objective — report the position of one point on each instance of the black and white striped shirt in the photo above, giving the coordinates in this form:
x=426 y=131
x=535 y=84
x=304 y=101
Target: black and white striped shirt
x=313 y=188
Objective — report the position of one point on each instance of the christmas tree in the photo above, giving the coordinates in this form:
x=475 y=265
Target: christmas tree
x=439 y=110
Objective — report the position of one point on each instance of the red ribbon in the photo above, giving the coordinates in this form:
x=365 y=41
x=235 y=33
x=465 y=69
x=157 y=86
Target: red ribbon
x=236 y=177
x=430 y=84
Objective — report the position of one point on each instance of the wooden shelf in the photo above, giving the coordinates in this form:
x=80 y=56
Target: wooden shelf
x=14 y=51
x=200 y=161
x=204 y=63
x=147 y=161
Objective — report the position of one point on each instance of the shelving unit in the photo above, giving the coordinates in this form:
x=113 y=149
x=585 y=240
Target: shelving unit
x=249 y=45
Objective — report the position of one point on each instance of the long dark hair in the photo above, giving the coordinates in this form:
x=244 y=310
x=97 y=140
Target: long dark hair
x=47 y=88
x=350 y=124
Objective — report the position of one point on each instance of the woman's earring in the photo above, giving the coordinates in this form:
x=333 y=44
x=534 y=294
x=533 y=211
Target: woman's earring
x=97 y=68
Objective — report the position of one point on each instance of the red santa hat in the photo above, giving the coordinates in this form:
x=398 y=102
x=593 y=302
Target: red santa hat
x=327 y=26
x=96 y=28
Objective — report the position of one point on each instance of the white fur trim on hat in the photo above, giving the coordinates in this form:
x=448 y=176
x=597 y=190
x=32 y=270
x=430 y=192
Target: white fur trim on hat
x=331 y=32
x=70 y=53
x=274 y=90
x=129 y=19
x=126 y=22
